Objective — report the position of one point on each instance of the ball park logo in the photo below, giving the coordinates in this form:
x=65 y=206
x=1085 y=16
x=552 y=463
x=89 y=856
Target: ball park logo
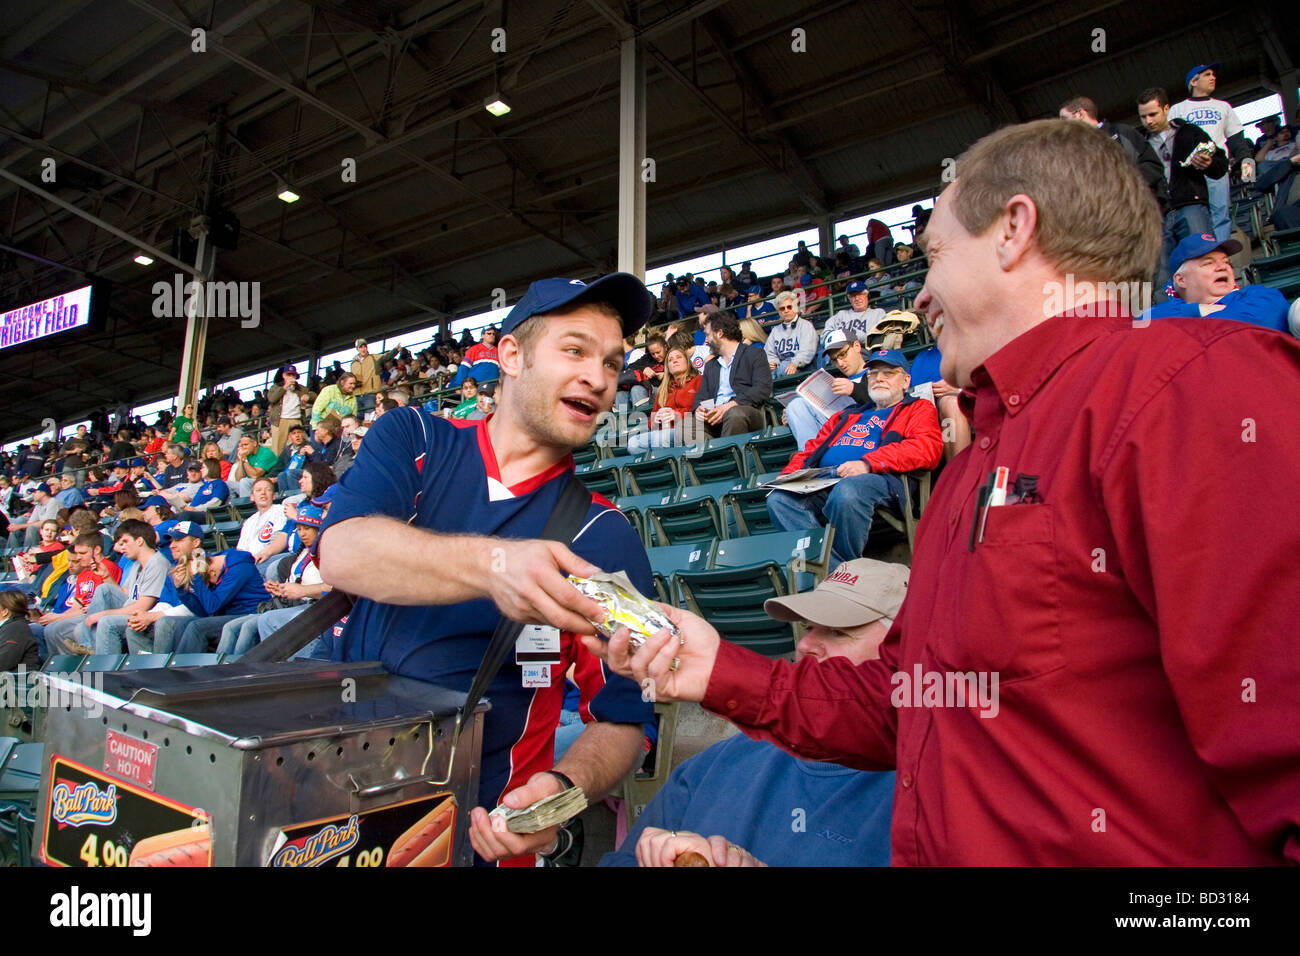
x=84 y=804
x=321 y=846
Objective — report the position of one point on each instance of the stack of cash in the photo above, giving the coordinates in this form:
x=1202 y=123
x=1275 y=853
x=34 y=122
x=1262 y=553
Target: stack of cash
x=545 y=813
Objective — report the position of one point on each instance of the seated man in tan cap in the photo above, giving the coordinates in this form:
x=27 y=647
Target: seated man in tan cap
x=763 y=806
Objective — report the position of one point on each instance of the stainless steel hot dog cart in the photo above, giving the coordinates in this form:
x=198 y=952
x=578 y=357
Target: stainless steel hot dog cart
x=258 y=764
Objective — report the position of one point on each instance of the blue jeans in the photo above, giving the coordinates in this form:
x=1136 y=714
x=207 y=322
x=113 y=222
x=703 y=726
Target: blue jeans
x=1219 y=206
x=848 y=506
x=804 y=421
x=270 y=622
x=238 y=635
x=1179 y=224
x=287 y=480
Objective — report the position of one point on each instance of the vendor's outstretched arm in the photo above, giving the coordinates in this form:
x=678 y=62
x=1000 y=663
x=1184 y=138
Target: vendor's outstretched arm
x=386 y=560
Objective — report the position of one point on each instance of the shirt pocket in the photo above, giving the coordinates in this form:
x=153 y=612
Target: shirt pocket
x=1006 y=597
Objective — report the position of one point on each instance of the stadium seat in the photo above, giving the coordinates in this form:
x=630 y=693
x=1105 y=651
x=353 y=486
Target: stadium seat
x=219 y=536
x=719 y=460
x=665 y=562
x=914 y=501
x=1281 y=272
x=194 y=660
x=748 y=510
x=1285 y=240
x=63 y=663
x=640 y=787
x=770 y=452
x=586 y=455
x=605 y=477
x=748 y=571
x=140 y=662
x=656 y=470
x=685 y=522
x=103 y=662
x=633 y=508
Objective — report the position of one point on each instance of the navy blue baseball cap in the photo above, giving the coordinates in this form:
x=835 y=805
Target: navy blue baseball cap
x=1187 y=80
x=625 y=292
x=888 y=357
x=1193 y=247
x=153 y=500
x=856 y=286
x=137 y=463
x=183 y=529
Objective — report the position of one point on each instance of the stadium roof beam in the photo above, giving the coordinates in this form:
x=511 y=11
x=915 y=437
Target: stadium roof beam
x=995 y=102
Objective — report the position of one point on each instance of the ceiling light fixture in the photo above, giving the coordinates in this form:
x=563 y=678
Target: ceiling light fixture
x=142 y=259
x=496 y=105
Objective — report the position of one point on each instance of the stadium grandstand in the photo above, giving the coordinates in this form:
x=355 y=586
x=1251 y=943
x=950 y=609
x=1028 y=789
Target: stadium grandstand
x=237 y=237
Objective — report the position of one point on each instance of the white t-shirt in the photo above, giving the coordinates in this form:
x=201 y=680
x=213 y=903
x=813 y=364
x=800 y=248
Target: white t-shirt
x=259 y=529
x=1216 y=117
x=291 y=407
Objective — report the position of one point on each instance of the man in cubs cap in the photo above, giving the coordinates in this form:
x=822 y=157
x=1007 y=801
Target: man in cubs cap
x=499 y=479
x=733 y=803
x=1203 y=284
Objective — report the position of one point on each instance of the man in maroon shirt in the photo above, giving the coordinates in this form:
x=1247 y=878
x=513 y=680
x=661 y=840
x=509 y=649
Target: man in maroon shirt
x=1128 y=605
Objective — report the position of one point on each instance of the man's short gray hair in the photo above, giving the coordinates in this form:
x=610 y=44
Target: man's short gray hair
x=783 y=297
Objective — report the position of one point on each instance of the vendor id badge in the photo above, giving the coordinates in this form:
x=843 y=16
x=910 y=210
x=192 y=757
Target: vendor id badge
x=538 y=645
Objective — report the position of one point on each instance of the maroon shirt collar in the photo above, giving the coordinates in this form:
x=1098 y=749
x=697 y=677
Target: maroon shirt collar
x=1009 y=378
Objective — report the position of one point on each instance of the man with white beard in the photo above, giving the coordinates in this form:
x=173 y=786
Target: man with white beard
x=870 y=446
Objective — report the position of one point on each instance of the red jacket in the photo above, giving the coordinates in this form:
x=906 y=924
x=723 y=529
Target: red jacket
x=480 y=353
x=681 y=398
x=910 y=441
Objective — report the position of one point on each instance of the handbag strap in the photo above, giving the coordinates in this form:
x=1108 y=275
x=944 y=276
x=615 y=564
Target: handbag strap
x=563 y=523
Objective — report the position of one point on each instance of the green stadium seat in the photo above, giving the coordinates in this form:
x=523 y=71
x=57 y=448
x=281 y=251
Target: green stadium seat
x=748 y=510
x=103 y=662
x=586 y=455
x=63 y=663
x=719 y=460
x=194 y=660
x=605 y=477
x=140 y=662
x=656 y=470
x=770 y=452
x=665 y=562
x=685 y=522
x=1285 y=240
x=748 y=571
x=914 y=502
x=221 y=535
x=633 y=508
x=1281 y=272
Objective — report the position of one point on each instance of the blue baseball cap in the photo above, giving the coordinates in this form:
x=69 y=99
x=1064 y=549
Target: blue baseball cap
x=1193 y=247
x=136 y=463
x=325 y=496
x=1187 y=80
x=311 y=514
x=888 y=357
x=856 y=286
x=184 y=529
x=153 y=500
x=625 y=292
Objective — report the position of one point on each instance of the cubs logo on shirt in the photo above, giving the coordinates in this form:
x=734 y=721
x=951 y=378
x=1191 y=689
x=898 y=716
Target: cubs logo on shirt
x=858 y=434
x=266 y=532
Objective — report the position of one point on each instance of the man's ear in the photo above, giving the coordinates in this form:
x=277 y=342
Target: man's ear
x=1015 y=228
x=510 y=356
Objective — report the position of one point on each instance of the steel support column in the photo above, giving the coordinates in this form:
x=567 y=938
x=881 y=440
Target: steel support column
x=631 y=155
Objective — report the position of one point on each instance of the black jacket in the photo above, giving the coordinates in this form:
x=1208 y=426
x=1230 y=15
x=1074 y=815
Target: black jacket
x=751 y=378
x=1139 y=150
x=1187 y=183
x=18 y=645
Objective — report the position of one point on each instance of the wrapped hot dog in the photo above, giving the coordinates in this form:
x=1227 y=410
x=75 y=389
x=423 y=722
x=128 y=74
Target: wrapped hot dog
x=624 y=606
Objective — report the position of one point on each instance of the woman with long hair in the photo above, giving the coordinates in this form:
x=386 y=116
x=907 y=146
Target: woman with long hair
x=671 y=419
x=212 y=451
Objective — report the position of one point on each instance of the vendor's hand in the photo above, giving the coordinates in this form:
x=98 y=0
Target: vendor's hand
x=493 y=845
x=526 y=581
x=842 y=386
x=649 y=665
x=662 y=847
x=851 y=468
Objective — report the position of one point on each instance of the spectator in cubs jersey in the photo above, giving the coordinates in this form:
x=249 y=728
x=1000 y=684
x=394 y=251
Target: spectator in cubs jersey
x=263 y=533
x=87 y=570
x=869 y=445
x=792 y=345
